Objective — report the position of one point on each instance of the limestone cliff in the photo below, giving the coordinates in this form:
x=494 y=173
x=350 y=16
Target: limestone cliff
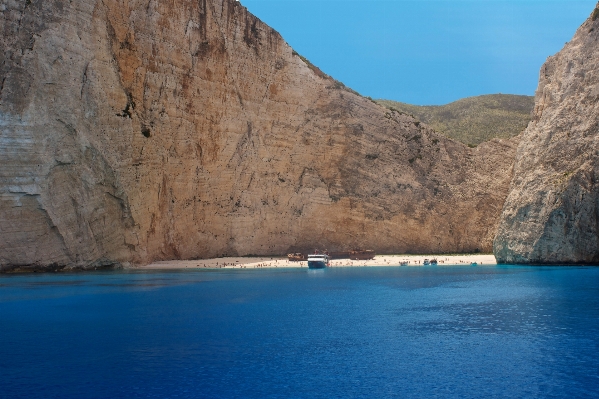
x=552 y=212
x=134 y=131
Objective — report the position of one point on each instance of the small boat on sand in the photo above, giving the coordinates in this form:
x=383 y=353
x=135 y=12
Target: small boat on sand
x=296 y=257
x=426 y=262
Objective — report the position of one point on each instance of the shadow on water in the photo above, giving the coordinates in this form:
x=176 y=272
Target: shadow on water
x=316 y=272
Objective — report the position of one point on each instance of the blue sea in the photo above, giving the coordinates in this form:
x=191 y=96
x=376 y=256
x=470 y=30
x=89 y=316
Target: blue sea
x=370 y=332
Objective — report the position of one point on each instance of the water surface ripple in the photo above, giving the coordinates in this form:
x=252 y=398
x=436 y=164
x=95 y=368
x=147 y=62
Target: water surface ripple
x=410 y=332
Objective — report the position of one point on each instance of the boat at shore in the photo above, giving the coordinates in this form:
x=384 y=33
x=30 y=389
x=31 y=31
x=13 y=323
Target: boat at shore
x=296 y=257
x=356 y=254
x=318 y=261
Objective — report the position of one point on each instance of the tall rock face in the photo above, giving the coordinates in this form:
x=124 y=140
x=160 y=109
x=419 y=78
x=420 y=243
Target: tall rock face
x=134 y=131
x=551 y=214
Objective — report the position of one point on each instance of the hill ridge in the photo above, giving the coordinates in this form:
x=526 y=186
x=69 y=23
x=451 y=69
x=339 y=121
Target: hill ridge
x=473 y=120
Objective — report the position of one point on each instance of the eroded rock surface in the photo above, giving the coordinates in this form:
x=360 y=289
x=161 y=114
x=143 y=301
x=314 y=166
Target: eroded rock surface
x=137 y=131
x=552 y=212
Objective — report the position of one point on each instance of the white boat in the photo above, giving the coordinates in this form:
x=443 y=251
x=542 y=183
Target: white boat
x=318 y=261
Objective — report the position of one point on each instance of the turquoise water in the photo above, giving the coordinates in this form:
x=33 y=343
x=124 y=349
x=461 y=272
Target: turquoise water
x=410 y=332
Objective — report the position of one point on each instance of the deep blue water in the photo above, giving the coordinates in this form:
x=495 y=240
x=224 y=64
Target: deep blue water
x=410 y=332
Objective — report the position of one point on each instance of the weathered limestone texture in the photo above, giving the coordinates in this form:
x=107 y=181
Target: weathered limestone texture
x=134 y=131
x=552 y=212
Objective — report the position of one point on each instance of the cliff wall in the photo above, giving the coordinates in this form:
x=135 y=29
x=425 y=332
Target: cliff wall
x=134 y=131
x=552 y=212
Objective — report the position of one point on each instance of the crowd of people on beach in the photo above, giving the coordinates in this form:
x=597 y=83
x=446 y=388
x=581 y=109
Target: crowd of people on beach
x=273 y=262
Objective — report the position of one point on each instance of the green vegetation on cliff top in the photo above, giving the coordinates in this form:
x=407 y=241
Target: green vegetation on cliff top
x=473 y=120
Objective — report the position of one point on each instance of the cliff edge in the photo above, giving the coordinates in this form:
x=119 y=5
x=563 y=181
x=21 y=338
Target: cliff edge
x=551 y=215
x=138 y=131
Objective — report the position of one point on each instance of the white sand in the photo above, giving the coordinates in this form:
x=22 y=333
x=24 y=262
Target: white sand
x=259 y=262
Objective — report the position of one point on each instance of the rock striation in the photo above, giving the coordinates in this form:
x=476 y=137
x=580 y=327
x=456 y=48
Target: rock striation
x=551 y=214
x=138 y=131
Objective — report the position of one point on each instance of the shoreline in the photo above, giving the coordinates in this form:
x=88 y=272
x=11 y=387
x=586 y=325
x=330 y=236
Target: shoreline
x=276 y=262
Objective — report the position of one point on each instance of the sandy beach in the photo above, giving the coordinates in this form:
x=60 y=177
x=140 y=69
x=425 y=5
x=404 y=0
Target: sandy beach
x=261 y=262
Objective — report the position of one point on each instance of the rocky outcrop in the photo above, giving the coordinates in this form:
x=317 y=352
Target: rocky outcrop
x=552 y=212
x=138 y=131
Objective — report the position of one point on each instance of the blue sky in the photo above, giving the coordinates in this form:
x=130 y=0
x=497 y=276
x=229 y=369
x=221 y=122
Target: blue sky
x=428 y=51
